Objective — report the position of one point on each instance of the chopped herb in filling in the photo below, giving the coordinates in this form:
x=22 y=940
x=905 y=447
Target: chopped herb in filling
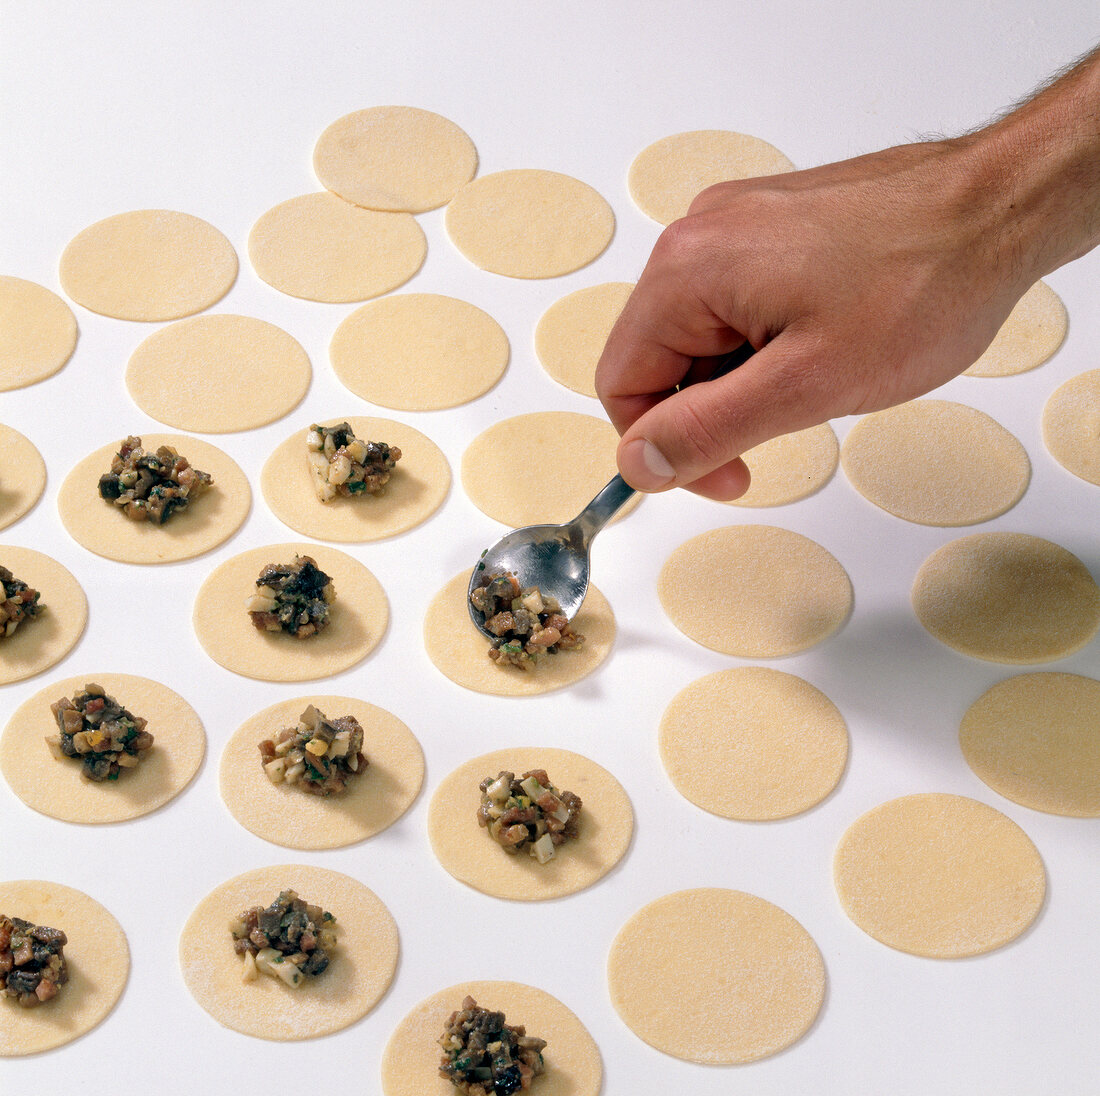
x=528 y=813
x=484 y=1056
x=342 y=464
x=99 y=732
x=319 y=755
x=292 y=597
x=18 y=602
x=151 y=486
x=32 y=961
x=291 y=940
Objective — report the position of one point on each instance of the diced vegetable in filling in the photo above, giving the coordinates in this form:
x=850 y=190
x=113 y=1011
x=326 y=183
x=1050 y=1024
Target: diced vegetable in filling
x=342 y=464
x=151 y=486
x=319 y=755
x=17 y=603
x=484 y=1056
x=290 y=940
x=528 y=813
x=32 y=961
x=99 y=732
x=292 y=597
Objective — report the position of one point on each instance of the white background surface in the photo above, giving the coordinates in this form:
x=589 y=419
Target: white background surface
x=213 y=108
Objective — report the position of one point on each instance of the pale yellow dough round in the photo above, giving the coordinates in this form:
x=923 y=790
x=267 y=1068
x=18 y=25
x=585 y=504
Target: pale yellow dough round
x=529 y=223
x=22 y=475
x=1071 y=425
x=666 y=176
x=287 y=816
x=468 y=853
x=394 y=158
x=209 y=520
x=1007 y=597
x=419 y=352
x=149 y=264
x=57 y=788
x=97 y=957
x=940 y=876
x=756 y=591
x=218 y=374
x=358 y=617
x=1034 y=739
x=790 y=467
x=361 y=970
x=459 y=651
x=1031 y=335
x=320 y=248
x=417 y=487
x=715 y=976
x=37 y=333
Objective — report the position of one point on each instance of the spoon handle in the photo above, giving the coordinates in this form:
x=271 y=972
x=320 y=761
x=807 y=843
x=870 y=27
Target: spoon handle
x=602 y=509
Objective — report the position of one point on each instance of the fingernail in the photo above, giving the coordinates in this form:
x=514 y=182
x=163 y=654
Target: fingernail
x=644 y=466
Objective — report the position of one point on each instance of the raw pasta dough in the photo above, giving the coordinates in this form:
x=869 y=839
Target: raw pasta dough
x=790 y=467
x=1034 y=330
x=22 y=475
x=37 y=333
x=1071 y=425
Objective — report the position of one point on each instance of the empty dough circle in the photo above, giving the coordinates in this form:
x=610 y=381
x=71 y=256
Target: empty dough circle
x=1034 y=330
x=756 y=591
x=1007 y=597
x=322 y=249
x=790 y=467
x=715 y=976
x=1071 y=425
x=44 y=641
x=940 y=876
x=360 y=972
x=419 y=352
x=97 y=957
x=753 y=743
x=529 y=223
x=218 y=374
x=410 y=1062
x=22 y=475
x=935 y=462
x=416 y=489
x=394 y=158
x=207 y=521
x=150 y=264
x=1033 y=739
x=666 y=176
x=358 y=617
x=37 y=333
x=57 y=788
x=460 y=652
x=466 y=850
x=295 y=819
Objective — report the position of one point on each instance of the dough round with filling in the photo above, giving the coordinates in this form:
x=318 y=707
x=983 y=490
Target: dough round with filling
x=419 y=352
x=529 y=223
x=55 y=787
x=755 y=591
x=218 y=374
x=149 y=264
x=210 y=519
x=359 y=974
x=357 y=619
x=1034 y=330
x=97 y=957
x=286 y=815
x=715 y=976
x=416 y=489
x=320 y=248
x=938 y=875
x=790 y=467
x=1007 y=597
x=37 y=333
x=466 y=850
x=1071 y=425
x=22 y=475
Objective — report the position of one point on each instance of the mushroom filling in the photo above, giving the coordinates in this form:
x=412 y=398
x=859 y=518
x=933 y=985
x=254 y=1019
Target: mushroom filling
x=32 y=961
x=100 y=732
x=528 y=813
x=342 y=464
x=289 y=940
x=319 y=755
x=292 y=597
x=151 y=486
x=17 y=603
x=484 y=1056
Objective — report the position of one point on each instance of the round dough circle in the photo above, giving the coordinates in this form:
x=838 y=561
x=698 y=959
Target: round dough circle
x=149 y=264
x=360 y=973
x=940 y=876
x=22 y=475
x=1034 y=330
x=1007 y=597
x=459 y=651
x=415 y=491
x=785 y=592
x=320 y=248
x=1033 y=739
x=529 y=223
x=410 y=1062
x=715 y=976
x=37 y=333
x=43 y=642
x=1071 y=425
x=359 y=617
x=666 y=176
x=97 y=956
x=56 y=788
x=419 y=352
x=211 y=519
x=297 y=820
x=935 y=462
x=753 y=743
x=218 y=374
x=394 y=158
x=790 y=467
x=474 y=858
